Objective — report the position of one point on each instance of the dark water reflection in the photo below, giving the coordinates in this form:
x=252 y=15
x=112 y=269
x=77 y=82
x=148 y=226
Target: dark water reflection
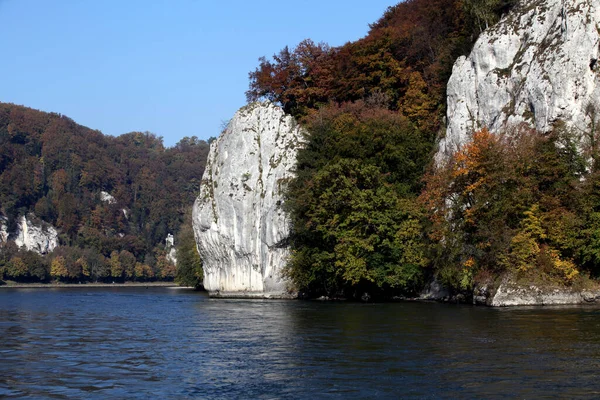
x=168 y=343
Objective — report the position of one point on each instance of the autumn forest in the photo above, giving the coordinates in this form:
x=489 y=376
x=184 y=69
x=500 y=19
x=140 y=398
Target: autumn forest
x=56 y=170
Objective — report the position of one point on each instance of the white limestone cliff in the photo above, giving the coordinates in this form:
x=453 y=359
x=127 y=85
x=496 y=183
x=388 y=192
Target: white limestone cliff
x=538 y=65
x=239 y=224
x=36 y=235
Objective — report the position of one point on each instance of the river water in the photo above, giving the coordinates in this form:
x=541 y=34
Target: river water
x=164 y=343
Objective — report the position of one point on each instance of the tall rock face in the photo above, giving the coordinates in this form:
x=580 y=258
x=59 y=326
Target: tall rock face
x=240 y=227
x=538 y=65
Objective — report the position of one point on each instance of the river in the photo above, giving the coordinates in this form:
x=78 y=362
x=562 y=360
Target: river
x=167 y=343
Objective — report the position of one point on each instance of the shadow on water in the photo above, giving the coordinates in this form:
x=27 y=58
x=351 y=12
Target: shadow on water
x=173 y=343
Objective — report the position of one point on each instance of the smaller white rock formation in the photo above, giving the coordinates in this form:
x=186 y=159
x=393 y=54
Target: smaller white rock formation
x=538 y=65
x=39 y=237
x=172 y=255
x=170 y=248
x=170 y=240
x=107 y=198
x=3 y=229
x=239 y=224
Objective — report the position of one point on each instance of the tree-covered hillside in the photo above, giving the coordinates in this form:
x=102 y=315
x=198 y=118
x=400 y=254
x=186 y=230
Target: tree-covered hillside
x=58 y=170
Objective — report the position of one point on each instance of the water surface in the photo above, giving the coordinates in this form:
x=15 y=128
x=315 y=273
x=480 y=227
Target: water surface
x=172 y=343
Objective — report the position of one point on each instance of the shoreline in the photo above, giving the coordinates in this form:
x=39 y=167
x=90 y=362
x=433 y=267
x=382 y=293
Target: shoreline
x=252 y=295
x=10 y=285
x=508 y=294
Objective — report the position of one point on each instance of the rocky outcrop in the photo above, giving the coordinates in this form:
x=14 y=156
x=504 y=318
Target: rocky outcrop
x=239 y=224
x=170 y=249
x=511 y=294
x=36 y=235
x=506 y=292
x=434 y=290
x=538 y=65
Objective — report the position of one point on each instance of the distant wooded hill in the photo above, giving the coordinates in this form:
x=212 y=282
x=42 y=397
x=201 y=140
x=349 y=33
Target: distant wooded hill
x=57 y=169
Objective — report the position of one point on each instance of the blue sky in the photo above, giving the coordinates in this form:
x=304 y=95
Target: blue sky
x=173 y=67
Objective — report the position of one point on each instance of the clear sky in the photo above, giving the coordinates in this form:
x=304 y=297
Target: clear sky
x=172 y=67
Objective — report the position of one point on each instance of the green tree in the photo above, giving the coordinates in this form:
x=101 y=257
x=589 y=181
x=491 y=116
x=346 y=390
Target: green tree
x=37 y=266
x=363 y=235
x=83 y=266
x=127 y=261
x=356 y=224
x=98 y=267
x=189 y=265
x=485 y=13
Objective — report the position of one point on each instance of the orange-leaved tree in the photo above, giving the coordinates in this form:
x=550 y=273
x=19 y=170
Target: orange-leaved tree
x=496 y=203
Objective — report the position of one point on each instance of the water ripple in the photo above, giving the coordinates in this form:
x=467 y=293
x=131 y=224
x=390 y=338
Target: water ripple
x=171 y=344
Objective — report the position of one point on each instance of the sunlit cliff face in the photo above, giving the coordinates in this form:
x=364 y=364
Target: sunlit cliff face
x=239 y=223
x=539 y=65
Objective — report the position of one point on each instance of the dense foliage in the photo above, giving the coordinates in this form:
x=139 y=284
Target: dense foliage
x=54 y=169
x=520 y=202
x=356 y=223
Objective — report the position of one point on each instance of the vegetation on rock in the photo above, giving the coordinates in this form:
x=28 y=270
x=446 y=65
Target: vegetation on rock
x=515 y=201
x=368 y=218
x=403 y=63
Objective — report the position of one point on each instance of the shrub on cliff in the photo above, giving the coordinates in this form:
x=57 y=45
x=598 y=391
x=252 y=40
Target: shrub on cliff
x=515 y=202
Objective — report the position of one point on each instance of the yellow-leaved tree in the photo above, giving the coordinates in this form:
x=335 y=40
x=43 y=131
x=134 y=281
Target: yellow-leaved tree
x=58 y=268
